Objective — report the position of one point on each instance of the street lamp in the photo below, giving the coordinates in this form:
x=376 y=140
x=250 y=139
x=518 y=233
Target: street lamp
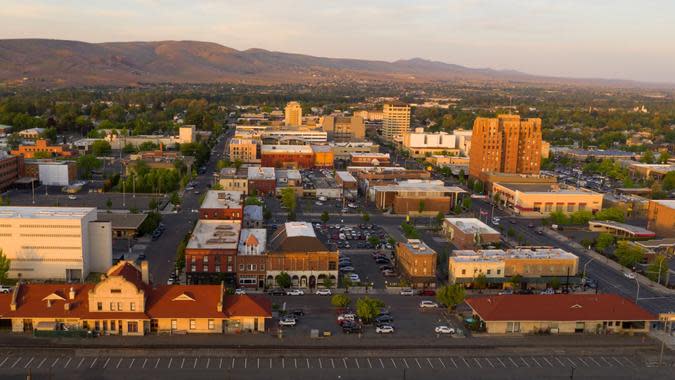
x=586 y=266
x=637 y=294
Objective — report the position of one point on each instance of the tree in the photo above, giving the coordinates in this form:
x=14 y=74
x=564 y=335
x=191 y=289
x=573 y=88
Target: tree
x=253 y=201
x=327 y=283
x=4 y=266
x=613 y=213
x=175 y=199
x=325 y=217
x=368 y=308
x=347 y=283
x=108 y=204
x=288 y=199
x=668 y=183
x=516 y=280
x=478 y=187
x=87 y=163
x=466 y=203
x=663 y=157
x=558 y=217
x=283 y=279
x=438 y=220
x=421 y=206
x=100 y=148
x=267 y=214
x=366 y=217
x=340 y=300
x=480 y=282
x=152 y=204
x=657 y=270
x=42 y=155
x=555 y=283
x=451 y=295
x=629 y=255
x=580 y=217
x=129 y=148
x=374 y=240
x=603 y=242
x=647 y=157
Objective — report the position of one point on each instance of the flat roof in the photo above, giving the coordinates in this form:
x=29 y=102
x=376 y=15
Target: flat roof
x=636 y=230
x=291 y=174
x=471 y=226
x=222 y=199
x=294 y=229
x=544 y=188
x=670 y=203
x=656 y=243
x=253 y=212
x=345 y=176
x=321 y=148
x=258 y=173
x=418 y=247
x=287 y=148
x=123 y=220
x=558 y=307
x=18 y=212
x=600 y=152
x=369 y=155
x=496 y=255
x=215 y=234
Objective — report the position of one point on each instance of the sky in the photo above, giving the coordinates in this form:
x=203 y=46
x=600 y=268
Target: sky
x=627 y=39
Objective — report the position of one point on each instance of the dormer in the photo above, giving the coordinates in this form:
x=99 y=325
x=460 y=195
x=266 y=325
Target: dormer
x=183 y=297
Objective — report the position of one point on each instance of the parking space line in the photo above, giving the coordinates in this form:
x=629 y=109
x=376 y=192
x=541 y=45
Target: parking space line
x=145 y=361
x=232 y=364
x=393 y=362
x=93 y=363
x=27 y=364
x=53 y=364
x=560 y=361
x=220 y=363
x=478 y=362
x=443 y=364
x=42 y=362
x=629 y=361
x=595 y=361
x=132 y=362
x=606 y=361
x=617 y=360
x=7 y=358
x=418 y=363
x=208 y=362
x=357 y=363
x=182 y=363
x=295 y=362
x=501 y=362
x=246 y=363
x=118 y=363
x=270 y=363
x=195 y=364
x=156 y=364
x=526 y=363
x=465 y=362
x=308 y=366
x=283 y=363
x=369 y=365
x=406 y=363
x=512 y=361
x=454 y=363
x=106 y=362
x=430 y=365
x=332 y=362
x=547 y=361
x=488 y=360
x=68 y=362
x=381 y=363
x=574 y=365
x=582 y=361
x=170 y=360
x=320 y=364
x=79 y=364
x=16 y=362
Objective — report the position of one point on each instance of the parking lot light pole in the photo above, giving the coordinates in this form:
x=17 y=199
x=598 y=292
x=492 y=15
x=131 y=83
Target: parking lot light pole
x=637 y=294
x=586 y=266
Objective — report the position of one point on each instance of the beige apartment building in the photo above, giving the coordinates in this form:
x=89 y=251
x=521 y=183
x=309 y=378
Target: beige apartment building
x=505 y=144
x=293 y=114
x=395 y=120
x=233 y=179
x=540 y=199
x=54 y=243
x=244 y=150
x=344 y=128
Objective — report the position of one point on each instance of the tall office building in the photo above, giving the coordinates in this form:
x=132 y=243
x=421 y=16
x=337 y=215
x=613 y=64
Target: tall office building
x=505 y=144
x=395 y=120
x=293 y=114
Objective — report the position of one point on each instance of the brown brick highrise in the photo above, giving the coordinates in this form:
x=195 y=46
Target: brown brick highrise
x=505 y=144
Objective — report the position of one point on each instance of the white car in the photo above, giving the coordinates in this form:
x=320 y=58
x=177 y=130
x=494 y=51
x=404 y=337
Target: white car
x=407 y=292
x=495 y=221
x=354 y=277
x=72 y=197
x=323 y=199
x=294 y=292
x=347 y=268
x=323 y=292
x=318 y=203
x=287 y=322
x=239 y=292
x=428 y=304
x=346 y=317
x=5 y=289
x=630 y=275
x=444 y=330
x=384 y=329
x=352 y=205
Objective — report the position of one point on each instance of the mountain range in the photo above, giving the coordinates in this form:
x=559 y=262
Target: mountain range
x=61 y=63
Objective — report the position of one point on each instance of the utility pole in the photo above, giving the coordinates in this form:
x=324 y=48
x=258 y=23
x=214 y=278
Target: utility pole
x=32 y=185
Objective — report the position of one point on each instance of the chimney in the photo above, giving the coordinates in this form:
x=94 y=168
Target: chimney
x=15 y=297
x=219 y=308
x=49 y=303
x=71 y=293
x=145 y=276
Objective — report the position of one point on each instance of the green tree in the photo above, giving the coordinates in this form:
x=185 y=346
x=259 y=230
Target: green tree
x=347 y=283
x=108 y=204
x=175 y=199
x=283 y=279
x=516 y=280
x=558 y=217
x=87 y=163
x=253 y=201
x=613 y=213
x=325 y=217
x=288 y=199
x=100 y=148
x=340 y=300
x=628 y=255
x=664 y=156
x=421 y=206
x=647 y=157
x=366 y=217
x=42 y=155
x=603 y=242
x=267 y=214
x=4 y=266
x=668 y=183
x=555 y=283
x=327 y=283
x=129 y=148
x=480 y=282
x=368 y=308
x=438 y=220
x=657 y=270
x=466 y=203
x=451 y=295
x=478 y=187
x=580 y=217
x=147 y=146
x=374 y=240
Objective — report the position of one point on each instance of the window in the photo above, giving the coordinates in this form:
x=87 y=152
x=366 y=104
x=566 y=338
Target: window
x=99 y=306
x=112 y=306
x=513 y=327
x=193 y=324
x=97 y=325
x=217 y=268
x=206 y=259
x=212 y=324
x=174 y=324
x=499 y=271
x=132 y=327
x=570 y=207
x=463 y=271
x=332 y=265
x=119 y=306
x=113 y=326
x=193 y=268
x=115 y=291
x=582 y=206
x=132 y=306
x=241 y=267
x=205 y=268
x=489 y=271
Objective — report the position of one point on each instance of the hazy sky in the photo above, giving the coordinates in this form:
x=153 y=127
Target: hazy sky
x=632 y=39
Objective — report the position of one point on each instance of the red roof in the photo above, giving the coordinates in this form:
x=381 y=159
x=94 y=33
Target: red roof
x=558 y=307
x=130 y=272
x=184 y=301
x=247 y=306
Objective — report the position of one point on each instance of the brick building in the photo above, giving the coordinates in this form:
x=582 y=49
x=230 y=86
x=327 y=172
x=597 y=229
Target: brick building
x=210 y=255
x=251 y=258
x=222 y=205
x=287 y=156
x=41 y=146
x=261 y=180
x=11 y=168
x=417 y=263
x=468 y=233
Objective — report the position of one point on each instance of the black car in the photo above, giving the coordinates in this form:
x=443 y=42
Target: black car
x=349 y=327
x=384 y=319
x=276 y=292
x=298 y=313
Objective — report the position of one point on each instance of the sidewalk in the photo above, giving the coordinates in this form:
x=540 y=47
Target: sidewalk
x=608 y=262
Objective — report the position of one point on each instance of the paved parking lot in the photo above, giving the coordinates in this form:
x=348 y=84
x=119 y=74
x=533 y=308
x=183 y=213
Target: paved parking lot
x=337 y=362
x=368 y=271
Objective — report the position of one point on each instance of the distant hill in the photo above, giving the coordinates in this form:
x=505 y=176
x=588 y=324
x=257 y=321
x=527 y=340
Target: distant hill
x=44 y=62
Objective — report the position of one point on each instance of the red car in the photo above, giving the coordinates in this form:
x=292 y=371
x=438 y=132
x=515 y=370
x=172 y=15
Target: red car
x=428 y=292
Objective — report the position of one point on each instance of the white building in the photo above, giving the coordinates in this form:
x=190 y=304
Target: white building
x=419 y=143
x=55 y=243
x=463 y=139
x=54 y=173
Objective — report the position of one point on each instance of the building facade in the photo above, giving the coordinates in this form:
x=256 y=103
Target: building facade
x=211 y=252
x=543 y=199
x=11 y=168
x=222 y=205
x=233 y=179
x=41 y=147
x=261 y=180
x=661 y=217
x=421 y=144
x=244 y=150
x=469 y=233
x=293 y=114
x=505 y=144
x=344 y=128
x=395 y=120
x=417 y=262
x=287 y=156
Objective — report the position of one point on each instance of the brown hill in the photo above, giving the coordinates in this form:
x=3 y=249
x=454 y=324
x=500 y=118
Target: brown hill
x=72 y=63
